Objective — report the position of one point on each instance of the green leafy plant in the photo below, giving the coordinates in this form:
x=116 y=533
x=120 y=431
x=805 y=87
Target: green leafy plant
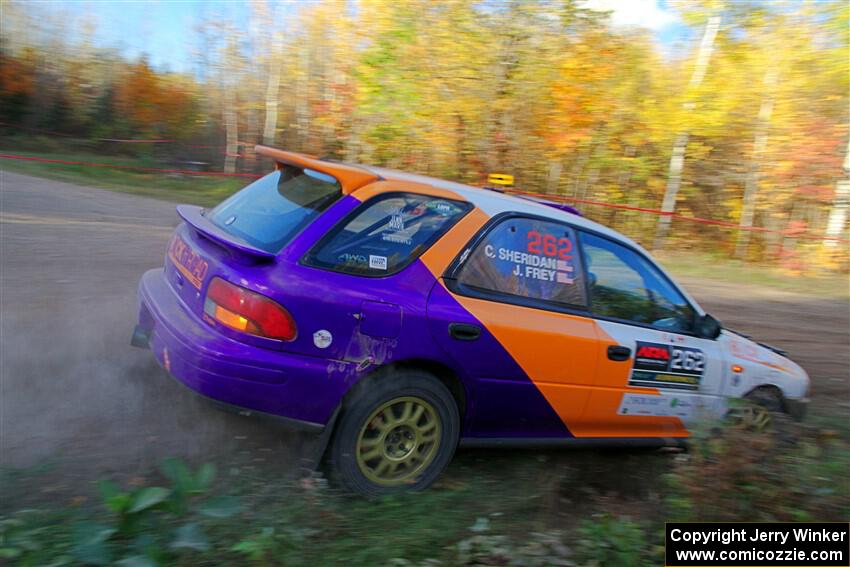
x=782 y=471
x=610 y=540
x=142 y=523
x=256 y=547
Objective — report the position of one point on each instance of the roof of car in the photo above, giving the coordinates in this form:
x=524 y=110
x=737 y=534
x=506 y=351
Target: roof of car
x=353 y=177
x=494 y=202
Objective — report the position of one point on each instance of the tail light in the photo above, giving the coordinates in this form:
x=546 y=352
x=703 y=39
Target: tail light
x=249 y=312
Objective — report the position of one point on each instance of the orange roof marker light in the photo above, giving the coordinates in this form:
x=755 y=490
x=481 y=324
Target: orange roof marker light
x=350 y=178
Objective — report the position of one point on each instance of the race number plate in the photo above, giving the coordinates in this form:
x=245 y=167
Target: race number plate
x=667 y=366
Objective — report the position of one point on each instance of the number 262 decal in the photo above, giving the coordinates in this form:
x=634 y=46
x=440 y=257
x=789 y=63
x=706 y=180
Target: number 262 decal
x=667 y=366
x=549 y=245
x=687 y=360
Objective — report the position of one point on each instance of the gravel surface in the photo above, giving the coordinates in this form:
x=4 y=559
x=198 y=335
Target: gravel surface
x=73 y=392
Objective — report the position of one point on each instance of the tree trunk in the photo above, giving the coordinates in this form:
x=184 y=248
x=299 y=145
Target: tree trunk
x=838 y=213
x=272 y=87
x=752 y=181
x=680 y=145
x=553 y=180
x=302 y=94
x=231 y=130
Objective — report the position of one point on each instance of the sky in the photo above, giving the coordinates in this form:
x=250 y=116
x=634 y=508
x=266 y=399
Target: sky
x=164 y=29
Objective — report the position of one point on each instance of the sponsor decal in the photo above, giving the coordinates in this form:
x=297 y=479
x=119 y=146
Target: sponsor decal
x=665 y=405
x=748 y=351
x=443 y=208
x=397 y=221
x=667 y=366
x=545 y=258
x=322 y=338
x=187 y=261
x=396 y=237
x=349 y=258
x=377 y=262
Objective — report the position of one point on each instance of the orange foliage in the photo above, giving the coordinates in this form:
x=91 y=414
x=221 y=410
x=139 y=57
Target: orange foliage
x=154 y=103
x=17 y=76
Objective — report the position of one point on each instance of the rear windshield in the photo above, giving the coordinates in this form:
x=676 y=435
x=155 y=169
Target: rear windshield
x=271 y=211
x=386 y=234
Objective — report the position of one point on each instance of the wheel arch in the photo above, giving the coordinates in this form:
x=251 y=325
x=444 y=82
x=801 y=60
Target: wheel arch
x=767 y=389
x=444 y=373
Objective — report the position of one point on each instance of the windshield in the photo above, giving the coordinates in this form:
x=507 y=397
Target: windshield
x=271 y=211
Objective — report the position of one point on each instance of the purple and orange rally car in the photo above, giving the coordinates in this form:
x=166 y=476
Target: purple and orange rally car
x=401 y=315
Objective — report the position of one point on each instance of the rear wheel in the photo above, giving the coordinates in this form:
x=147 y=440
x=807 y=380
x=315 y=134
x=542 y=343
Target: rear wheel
x=397 y=432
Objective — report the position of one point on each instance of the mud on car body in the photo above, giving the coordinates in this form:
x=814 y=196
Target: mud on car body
x=402 y=315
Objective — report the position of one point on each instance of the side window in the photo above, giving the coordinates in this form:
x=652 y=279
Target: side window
x=624 y=285
x=386 y=234
x=527 y=258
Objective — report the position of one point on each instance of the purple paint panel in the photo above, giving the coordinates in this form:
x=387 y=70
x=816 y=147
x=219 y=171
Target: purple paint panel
x=505 y=402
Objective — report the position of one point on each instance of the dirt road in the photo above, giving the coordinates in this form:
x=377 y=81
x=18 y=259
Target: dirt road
x=75 y=393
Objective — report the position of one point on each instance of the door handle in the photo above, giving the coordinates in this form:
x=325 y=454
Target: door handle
x=617 y=352
x=464 y=331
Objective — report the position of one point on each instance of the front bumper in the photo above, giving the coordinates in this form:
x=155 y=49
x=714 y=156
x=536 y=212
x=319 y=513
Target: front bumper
x=303 y=391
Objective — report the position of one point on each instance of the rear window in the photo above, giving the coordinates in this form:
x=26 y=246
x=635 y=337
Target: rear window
x=271 y=211
x=386 y=234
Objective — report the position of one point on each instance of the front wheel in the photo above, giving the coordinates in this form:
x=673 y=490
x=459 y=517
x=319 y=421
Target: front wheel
x=396 y=432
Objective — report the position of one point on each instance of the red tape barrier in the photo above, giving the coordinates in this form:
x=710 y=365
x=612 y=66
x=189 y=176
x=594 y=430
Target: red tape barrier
x=725 y=224
x=121 y=140
x=136 y=141
x=559 y=198
x=131 y=167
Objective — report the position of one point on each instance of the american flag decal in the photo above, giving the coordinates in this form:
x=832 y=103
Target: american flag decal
x=564 y=278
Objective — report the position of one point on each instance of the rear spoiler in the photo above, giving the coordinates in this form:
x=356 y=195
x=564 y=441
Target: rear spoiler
x=350 y=177
x=195 y=218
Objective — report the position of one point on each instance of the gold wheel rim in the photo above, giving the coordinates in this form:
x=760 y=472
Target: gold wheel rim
x=753 y=417
x=398 y=441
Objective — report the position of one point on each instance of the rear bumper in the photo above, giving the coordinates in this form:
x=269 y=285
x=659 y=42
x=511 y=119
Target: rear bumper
x=302 y=391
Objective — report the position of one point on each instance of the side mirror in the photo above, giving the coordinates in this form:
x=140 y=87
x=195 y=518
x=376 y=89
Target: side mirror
x=708 y=327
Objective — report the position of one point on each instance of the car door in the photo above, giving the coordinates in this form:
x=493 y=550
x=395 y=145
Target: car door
x=655 y=375
x=512 y=313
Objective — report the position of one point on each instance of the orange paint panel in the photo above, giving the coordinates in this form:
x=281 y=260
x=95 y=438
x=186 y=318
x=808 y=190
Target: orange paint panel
x=600 y=418
x=550 y=347
x=350 y=177
x=440 y=255
x=386 y=186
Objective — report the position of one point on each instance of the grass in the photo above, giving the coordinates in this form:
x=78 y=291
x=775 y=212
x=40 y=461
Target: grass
x=194 y=189
x=722 y=268
x=525 y=508
x=303 y=523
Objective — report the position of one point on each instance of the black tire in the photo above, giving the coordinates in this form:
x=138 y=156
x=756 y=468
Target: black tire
x=767 y=397
x=396 y=389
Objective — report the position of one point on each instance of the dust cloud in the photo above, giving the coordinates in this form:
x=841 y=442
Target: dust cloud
x=74 y=395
